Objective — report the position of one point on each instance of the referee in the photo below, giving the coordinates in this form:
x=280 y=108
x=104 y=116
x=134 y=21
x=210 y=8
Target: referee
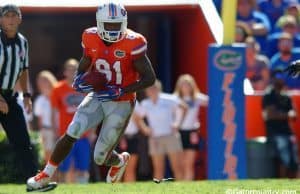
x=13 y=68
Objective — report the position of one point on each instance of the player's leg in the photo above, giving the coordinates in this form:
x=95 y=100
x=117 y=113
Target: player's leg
x=65 y=166
x=88 y=115
x=116 y=116
x=82 y=155
x=15 y=127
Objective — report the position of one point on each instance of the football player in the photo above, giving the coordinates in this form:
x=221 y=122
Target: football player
x=110 y=48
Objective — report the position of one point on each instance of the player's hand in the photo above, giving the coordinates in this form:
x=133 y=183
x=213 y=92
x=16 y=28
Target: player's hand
x=111 y=93
x=28 y=105
x=3 y=106
x=80 y=86
x=294 y=69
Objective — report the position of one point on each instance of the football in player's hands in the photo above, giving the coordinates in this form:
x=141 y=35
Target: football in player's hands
x=96 y=79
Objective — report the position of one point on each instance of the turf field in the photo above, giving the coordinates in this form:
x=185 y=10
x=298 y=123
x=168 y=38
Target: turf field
x=200 y=187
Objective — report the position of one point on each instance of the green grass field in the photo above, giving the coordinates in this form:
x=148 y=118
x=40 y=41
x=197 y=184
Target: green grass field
x=200 y=187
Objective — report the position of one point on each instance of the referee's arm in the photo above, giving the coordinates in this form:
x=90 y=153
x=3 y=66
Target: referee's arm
x=24 y=83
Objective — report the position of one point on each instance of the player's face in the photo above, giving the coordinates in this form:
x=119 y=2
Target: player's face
x=112 y=26
x=10 y=21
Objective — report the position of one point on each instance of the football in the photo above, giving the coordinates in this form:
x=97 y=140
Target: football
x=96 y=79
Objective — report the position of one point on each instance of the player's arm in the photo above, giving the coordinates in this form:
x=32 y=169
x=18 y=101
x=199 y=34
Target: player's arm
x=84 y=64
x=147 y=76
x=85 y=60
x=78 y=83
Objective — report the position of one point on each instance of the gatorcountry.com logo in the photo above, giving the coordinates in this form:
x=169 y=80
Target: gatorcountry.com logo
x=228 y=60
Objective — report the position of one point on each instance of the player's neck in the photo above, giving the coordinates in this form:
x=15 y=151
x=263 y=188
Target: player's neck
x=107 y=43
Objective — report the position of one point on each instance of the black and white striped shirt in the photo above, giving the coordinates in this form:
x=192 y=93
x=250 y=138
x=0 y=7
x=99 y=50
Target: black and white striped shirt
x=13 y=59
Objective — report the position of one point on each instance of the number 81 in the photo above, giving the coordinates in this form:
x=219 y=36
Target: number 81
x=104 y=67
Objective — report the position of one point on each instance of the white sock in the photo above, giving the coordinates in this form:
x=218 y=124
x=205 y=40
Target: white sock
x=50 y=169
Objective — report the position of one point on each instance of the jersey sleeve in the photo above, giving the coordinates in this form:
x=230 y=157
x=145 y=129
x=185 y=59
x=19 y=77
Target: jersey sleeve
x=140 y=47
x=87 y=40
x=84 y=43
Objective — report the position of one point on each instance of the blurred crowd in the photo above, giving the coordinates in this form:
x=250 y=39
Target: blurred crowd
x=271 y=30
